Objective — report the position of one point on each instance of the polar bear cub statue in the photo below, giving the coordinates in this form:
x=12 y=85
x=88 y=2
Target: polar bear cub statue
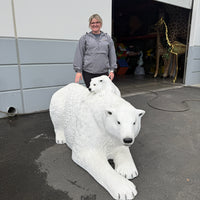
x=103 y=84
x=98 y=128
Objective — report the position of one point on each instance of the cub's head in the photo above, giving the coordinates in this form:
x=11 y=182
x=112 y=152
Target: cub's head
x=124 y=123
x=99 y=83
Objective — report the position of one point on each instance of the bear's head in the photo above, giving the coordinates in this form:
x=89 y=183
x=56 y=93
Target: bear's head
x=123 y=122
x=98 y=84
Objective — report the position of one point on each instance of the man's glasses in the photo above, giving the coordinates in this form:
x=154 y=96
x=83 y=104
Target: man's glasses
x=95 y=23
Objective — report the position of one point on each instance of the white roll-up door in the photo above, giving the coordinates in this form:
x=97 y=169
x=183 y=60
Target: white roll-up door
x=180 y=3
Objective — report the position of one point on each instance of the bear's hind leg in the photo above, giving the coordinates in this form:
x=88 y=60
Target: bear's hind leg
x=124 y=163
x=60 y=136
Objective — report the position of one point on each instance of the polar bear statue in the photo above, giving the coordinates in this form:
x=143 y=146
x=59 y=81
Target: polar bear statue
x=98 y=128
x=103 y=84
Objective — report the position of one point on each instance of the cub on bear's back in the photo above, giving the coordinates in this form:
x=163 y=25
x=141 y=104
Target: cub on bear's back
x=103 y=84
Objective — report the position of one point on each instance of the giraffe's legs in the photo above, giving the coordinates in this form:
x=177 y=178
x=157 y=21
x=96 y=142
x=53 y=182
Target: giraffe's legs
x=157 y=62
x=176 y=73
x=167 y=67
x=173 y=66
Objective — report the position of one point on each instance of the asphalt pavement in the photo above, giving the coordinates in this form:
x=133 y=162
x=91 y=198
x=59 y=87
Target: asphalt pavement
x=166 y=153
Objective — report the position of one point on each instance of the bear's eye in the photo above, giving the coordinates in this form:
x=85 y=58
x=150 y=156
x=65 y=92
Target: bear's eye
x=110 y=113
x=118 y=122
x=101 y=80
x=133 y=123
x=94 y=84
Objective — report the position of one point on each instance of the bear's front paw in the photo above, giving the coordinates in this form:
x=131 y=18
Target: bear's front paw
x=60 y=140
x=123 y=190
x=127 y=170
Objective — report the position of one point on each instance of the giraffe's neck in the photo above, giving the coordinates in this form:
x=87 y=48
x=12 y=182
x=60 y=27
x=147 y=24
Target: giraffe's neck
x=166 y=34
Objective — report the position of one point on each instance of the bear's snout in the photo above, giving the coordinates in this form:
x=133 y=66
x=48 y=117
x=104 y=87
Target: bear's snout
x=89 y=89
x=127 y=141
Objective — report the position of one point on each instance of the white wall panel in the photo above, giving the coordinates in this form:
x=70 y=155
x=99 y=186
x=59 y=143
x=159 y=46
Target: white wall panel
x=8 y=53
x=34 y=76
x=193 y=66
x=6 y=19
x=46 y=51
x=38 y=99
x=10 y=99
x=9 y=77
x=60 y=19
x=195 y=27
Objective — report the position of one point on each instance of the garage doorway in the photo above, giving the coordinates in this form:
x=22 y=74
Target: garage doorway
x=135 y=35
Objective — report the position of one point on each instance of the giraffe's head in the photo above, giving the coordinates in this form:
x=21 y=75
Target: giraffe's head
x=160 y=22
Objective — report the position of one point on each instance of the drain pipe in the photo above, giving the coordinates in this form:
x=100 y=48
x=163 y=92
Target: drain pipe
x=11 y=111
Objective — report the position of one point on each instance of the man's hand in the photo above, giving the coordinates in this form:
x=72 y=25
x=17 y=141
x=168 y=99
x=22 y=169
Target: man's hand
x=111 y=75
x=78 y=77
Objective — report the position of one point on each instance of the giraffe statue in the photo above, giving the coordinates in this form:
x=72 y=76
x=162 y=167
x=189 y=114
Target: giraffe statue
x=176 y=48
x=160 y=50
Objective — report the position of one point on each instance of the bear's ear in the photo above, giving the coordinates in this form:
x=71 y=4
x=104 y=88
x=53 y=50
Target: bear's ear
x=141 y=112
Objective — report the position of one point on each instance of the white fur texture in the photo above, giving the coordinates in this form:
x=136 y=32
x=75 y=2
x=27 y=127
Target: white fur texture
x=98 y=128
x=103 y=84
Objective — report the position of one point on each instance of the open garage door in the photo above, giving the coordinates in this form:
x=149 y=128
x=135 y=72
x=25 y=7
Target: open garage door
x=142 y=43
x=180 y=3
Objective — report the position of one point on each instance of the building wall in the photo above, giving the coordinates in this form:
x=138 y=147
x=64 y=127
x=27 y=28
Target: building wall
x=38 y=39
x=60 y=19
x=192 y=76
x=37 y=44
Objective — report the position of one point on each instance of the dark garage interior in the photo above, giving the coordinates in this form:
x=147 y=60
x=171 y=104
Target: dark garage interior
x=135 y=34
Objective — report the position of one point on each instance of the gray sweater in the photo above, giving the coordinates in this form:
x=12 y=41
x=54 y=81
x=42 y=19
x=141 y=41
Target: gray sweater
x=95 y=54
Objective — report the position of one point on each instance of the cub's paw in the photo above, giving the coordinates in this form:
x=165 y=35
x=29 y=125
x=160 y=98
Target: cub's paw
x=124 y=190
x=127 y=170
